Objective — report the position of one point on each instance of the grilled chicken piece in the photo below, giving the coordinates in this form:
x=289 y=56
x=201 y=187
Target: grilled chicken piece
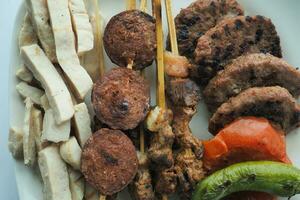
x=141 y=187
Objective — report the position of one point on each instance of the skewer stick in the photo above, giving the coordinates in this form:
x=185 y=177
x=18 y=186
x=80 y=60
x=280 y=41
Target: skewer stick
x=143 y=6
x=131 y=4
x=99 y=41
x=161 y=99
x=171 y=26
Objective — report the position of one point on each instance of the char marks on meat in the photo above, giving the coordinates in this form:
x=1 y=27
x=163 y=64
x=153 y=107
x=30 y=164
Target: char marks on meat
x=231 y=38
x=252 y=70
x=193 y=21
x=273 y=103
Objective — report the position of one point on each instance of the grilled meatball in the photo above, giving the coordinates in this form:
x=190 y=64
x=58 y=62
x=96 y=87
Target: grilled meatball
x=253 y=70
x=183 y=92
x=230 y=39
x=109 y=161
x=121 y=98
x=193 y=21
x=130 y=36
x=274 y=103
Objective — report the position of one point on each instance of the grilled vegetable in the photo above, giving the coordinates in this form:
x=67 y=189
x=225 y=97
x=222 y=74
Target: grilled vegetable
x=266 y=176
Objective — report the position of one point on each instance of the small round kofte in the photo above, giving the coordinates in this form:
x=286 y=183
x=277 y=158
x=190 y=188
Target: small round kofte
x=121 y=98
x=109 y=161
x=130 y=36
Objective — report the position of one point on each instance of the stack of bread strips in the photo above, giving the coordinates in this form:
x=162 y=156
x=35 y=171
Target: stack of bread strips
x=53 y=85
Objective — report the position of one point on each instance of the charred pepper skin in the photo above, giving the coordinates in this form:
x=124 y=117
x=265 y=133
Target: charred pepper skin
x=266 y=176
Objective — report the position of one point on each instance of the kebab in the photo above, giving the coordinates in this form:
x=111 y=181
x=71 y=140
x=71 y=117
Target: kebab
x=125 y=108
x=184 y=95
x=158 y=120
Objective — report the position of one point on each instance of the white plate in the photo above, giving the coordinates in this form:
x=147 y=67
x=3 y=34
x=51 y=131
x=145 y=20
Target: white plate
x=284 y=14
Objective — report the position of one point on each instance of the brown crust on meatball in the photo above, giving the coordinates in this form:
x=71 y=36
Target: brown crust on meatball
x=109 y=161
x=130 y=36
x=273 y=103
x=200 y=16
x=230 y=39
x=252 y=70
x=121 y=98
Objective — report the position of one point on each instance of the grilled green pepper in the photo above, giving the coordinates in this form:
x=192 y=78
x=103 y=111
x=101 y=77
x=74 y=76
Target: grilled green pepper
x=265 y=176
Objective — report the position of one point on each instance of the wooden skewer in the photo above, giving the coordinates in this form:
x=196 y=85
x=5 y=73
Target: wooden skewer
x=98 y=38
x=131 y=4
x=143 y=6
x=161 y=99
x=171 y=26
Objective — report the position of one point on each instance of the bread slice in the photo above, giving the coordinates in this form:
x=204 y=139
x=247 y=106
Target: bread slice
x=15 y=142
x=54 y=174
x=70 y=152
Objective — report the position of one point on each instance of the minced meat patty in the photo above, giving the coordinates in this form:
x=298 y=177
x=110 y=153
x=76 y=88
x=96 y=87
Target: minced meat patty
x=121 y=98
x=273 y=103
x=109 y=161
x=231 y=38
x=252 y=70
x=130 y=36
x=193 y=21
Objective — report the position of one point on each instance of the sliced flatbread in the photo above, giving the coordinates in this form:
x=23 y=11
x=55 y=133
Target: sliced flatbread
x=82 y=123
x=76 y=180
x=27 y=35
x=15 y=142
x=56 y=90
x=39 y=16
x=54 y=174
x=24 y=74
x=70 y=152
x=77 y=76
x=82 y=26
x=52 y=131
x=27 y=91
x=29 y=148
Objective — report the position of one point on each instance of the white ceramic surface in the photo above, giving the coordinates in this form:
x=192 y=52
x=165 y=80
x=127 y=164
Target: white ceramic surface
x=284 y=13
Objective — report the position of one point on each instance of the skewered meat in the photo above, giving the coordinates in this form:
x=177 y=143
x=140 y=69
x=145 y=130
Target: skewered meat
x=189 y=171
x=109 y=161
x=183 y=91
x=182 y=131
x=166 y=181
x=141 y=187
x=231 y=38
x=121 y=98
x=274 y=103
x=193 y=21
x=253 y=70
x=130 y=37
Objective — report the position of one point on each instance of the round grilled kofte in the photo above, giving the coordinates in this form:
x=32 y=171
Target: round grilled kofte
x=121 y=98
x=109 y=161
x=130 y=37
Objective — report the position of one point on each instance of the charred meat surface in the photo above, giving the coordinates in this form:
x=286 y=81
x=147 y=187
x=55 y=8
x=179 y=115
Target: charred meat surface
x=109 y=161
x=141 y=187
x=202 y=15
x=231 y=38
x=183 y=91
x=273 y=103
x=253 y=70
x=121 y=98
x=130 y=37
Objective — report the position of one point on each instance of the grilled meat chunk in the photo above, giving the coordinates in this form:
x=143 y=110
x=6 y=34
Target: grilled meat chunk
x=231 y=38
x=183 y=91
x=121 y=98
x=193 y=21
x=141 y=187
x=189 y=170
x=274 y=103
x=109 y=161
x=130 y=37
x=253 y=70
